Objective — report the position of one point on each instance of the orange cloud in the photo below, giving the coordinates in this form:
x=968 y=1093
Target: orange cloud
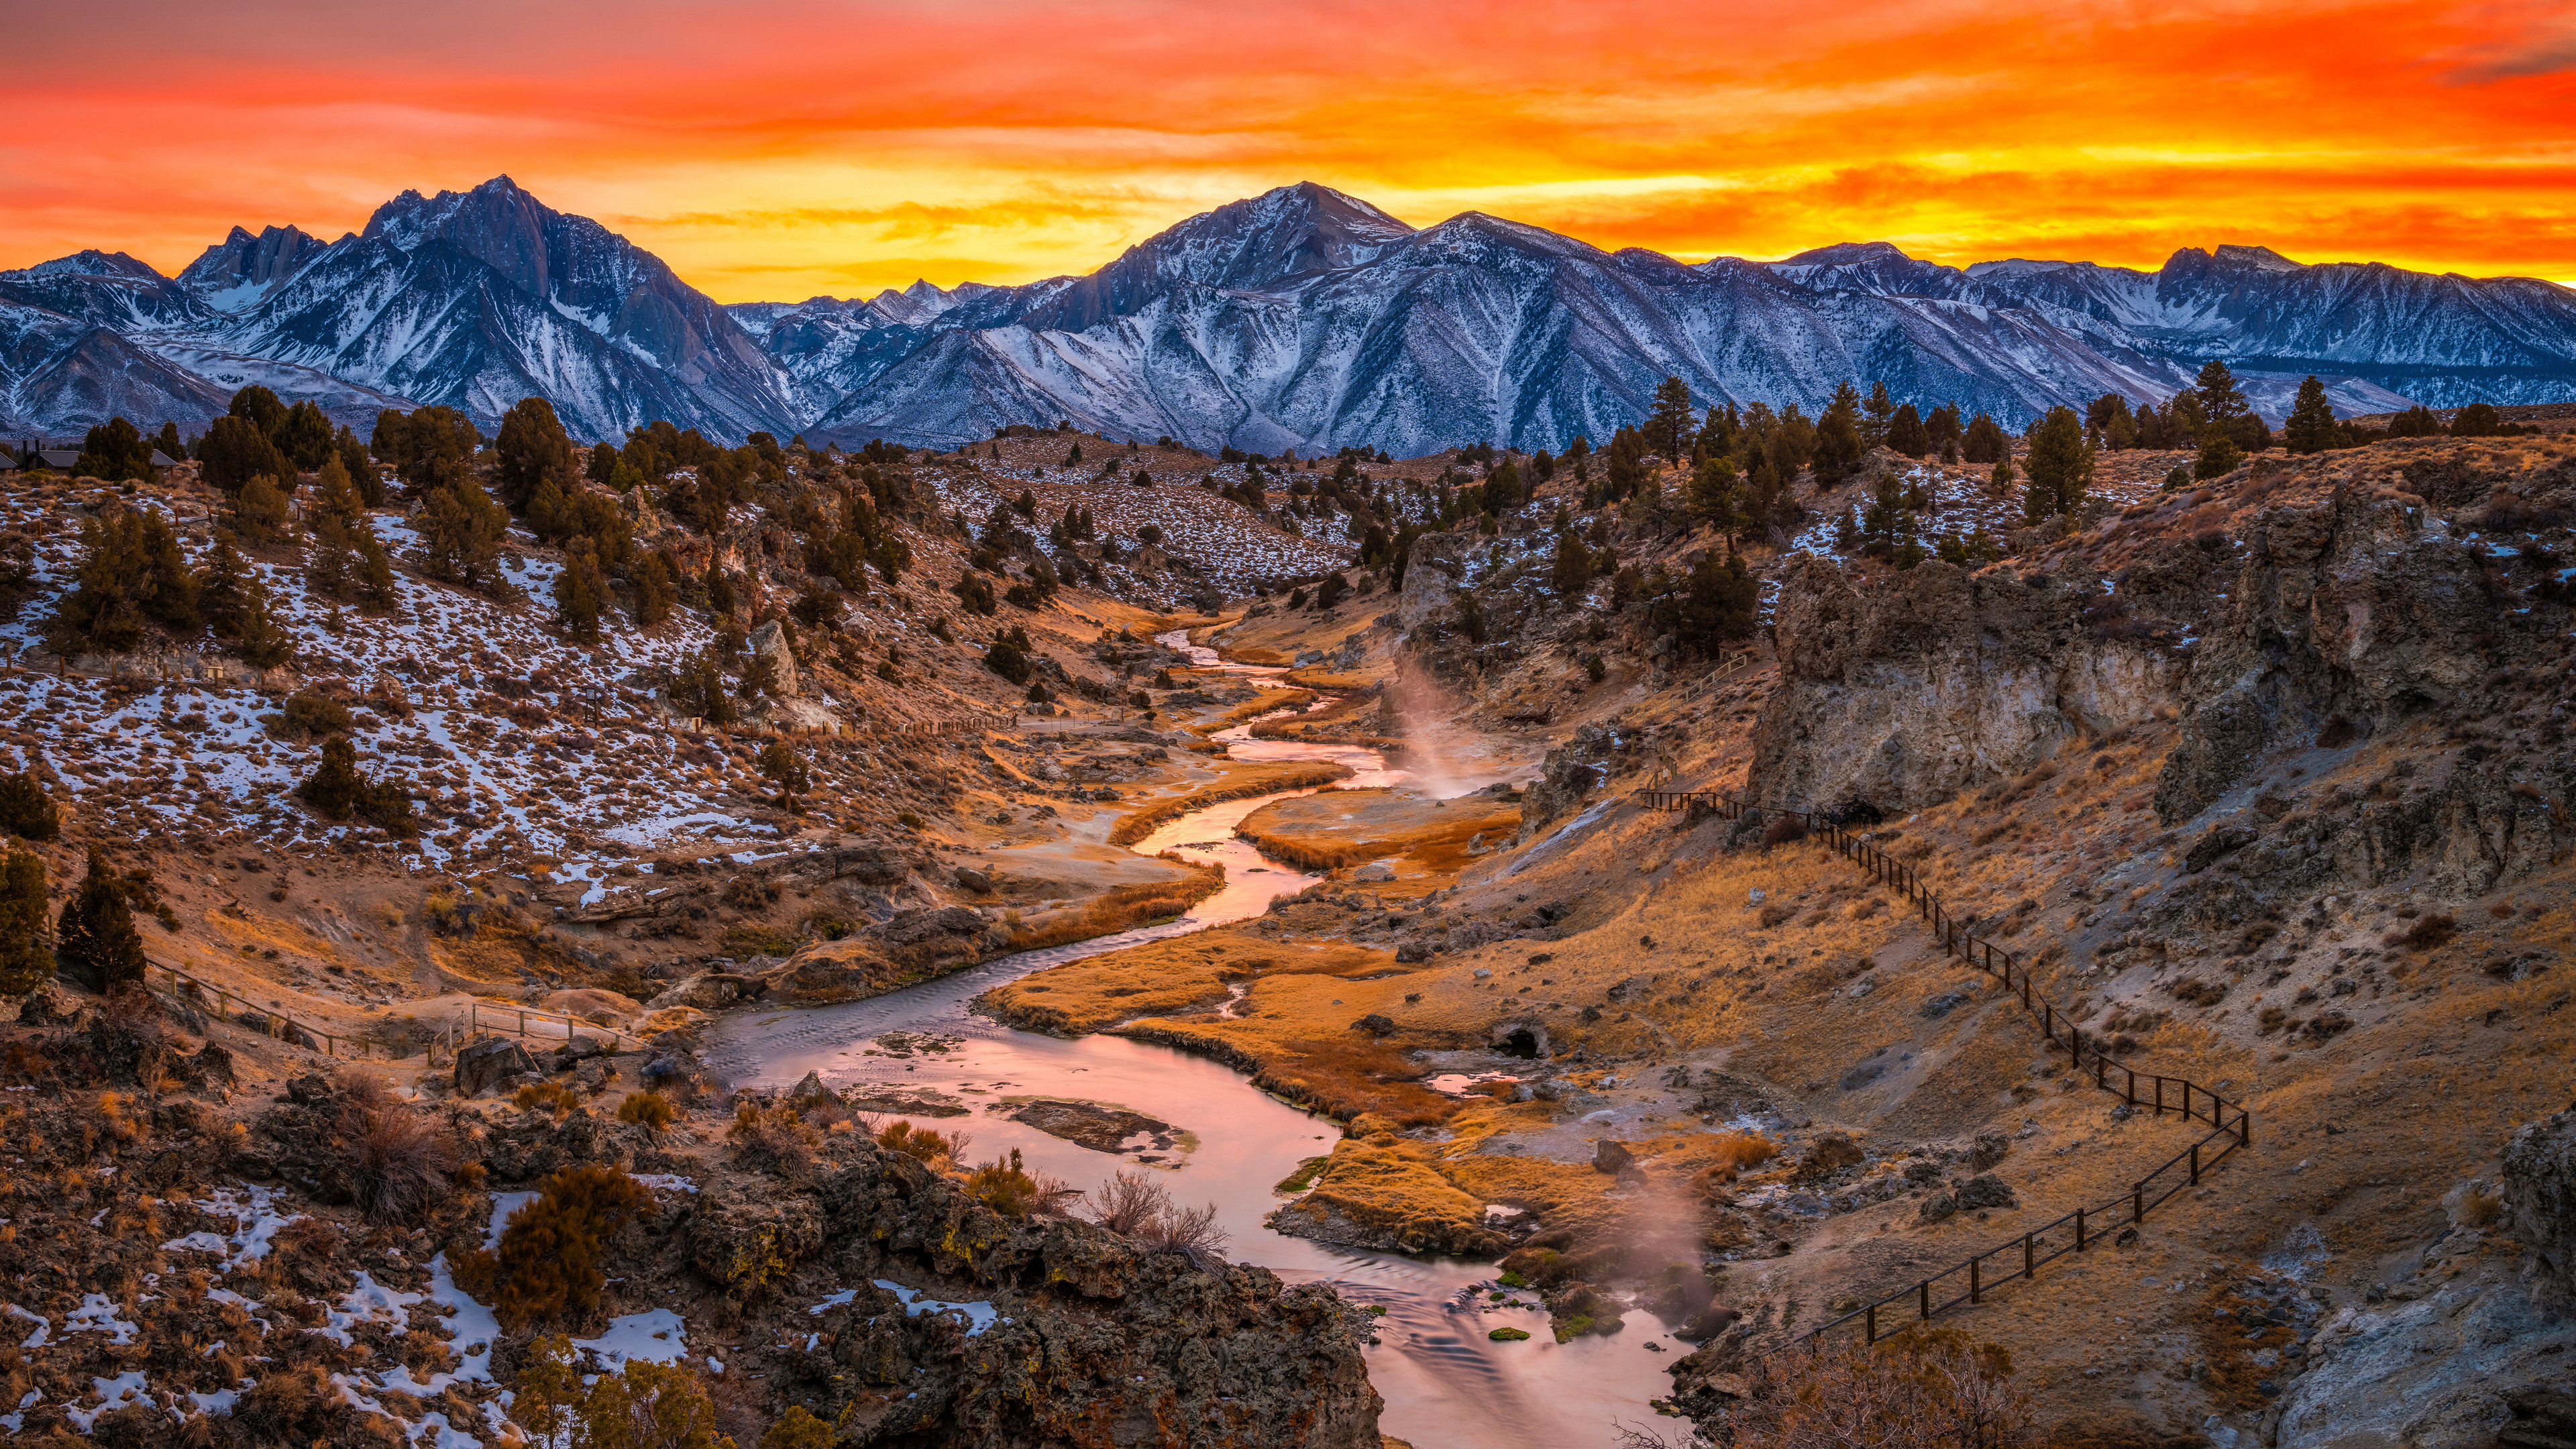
x=783 y=150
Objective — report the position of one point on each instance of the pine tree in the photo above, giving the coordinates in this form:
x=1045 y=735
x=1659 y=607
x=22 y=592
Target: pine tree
x=304 y=436
x=1906 y=433
x=223 y=589
x=581 y=592
x=337 y=519
x=26 y=937
x=1877 y=416
x=259 y=407
x=2221 y=400
x=1571 y=572
x=94 y=939
x=461 y=531
x=1984 y=441
x=115 y=452
x=2312 y=427
x=2060 y=465
x=26 y=811
x=170 y=444
x=1668 y=423
x=532 y=449
x=655 y=590
x=236 y=450
x=364 y=476
x=377 y=591
x=1503 y=490
x=335 y=787
x=782 y=766
x=1716 y=497
x=259 y=637
x=2002 y=480
x=129 y=572
x=259 y=510
x=1718 y=603
x=2219 y=455
x=1839 y=446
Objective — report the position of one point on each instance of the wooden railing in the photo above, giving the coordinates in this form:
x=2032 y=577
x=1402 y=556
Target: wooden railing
x=1969 y=1280
x=510 y=1020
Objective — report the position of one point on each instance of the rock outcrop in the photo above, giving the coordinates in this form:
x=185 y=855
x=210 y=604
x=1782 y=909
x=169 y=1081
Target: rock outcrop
x=2540 y=1197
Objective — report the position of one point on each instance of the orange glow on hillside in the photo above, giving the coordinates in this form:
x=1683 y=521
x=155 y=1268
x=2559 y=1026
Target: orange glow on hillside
x=779 y=151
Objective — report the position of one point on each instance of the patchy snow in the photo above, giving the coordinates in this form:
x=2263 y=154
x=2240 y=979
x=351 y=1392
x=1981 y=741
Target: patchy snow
x=978 y=1316
x=44 y=1326
x=126 y=1388
x=255 y=1221
x=98 y=1314
x=666 y=1182
x=503 y=1205
x=660 y=1336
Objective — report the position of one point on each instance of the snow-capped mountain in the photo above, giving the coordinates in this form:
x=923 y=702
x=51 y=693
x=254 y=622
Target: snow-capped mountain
x=469 y=299
x=1301 y=318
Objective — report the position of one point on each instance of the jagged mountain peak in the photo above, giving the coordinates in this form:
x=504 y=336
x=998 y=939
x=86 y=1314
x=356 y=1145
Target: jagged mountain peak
x=91 y=262
x=2260 y=258
x=1260 y=242
x=243 y=270
x=1844 y=254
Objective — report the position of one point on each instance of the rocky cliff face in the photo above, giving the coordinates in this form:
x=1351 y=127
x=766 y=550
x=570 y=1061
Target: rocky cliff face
x=1900 y=692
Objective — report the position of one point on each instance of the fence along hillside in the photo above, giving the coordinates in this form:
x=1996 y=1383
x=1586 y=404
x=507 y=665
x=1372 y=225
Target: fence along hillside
x=1967 y=1282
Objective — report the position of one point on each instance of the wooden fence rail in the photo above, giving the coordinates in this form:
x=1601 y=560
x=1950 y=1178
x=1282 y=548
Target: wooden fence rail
x=1969 y=1280
x=509 y=1020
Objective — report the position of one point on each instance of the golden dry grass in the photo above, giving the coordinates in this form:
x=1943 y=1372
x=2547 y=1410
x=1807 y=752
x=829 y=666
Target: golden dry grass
x=1335 y=828
x=1240 y=782
x=1161 y=977
x=1122 y=907
x=1260 y=704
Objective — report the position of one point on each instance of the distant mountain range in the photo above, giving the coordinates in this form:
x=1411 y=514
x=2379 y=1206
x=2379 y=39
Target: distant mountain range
x=1301 y=318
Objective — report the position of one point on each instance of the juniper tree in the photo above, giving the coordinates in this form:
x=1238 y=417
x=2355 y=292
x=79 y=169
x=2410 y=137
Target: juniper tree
x=26 y=811
x=2312 y=427
x=2219 y=455
x=2060 y=465
x=1984 y=441
x=115 y=452
x=532 y=449
x=363 y=473
x=95 y=942
x=170 y=444
x=656 y=590
x=581 y=592
x=257 y=634
x=304 y=435
x=259 y=407
x=223 y=586
x=1838 y=446
x=461 y=531
x=26 y=937
x=782 y=766
x=1906 y=433
x=1668 y=423
x=129 y=572
x=236 y=450
x=1717 y=496
x=259 y=511
x=1877 y=416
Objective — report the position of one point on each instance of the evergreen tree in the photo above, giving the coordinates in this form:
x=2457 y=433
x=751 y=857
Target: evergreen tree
x=1668 y=423
x=26 y=937
x=259 y=511
x=2477 y=420
x=259 y=407
x=2002 y=481
x=335 y=787
x=656 y=590
x=170 y=445
x=1718 y=603
x=1877 y=417
x=1906 y=433
x=95 y=942
x=1503 y=490
x=1839 y=446
x=533 y=449
x=601 y=466
x=2312 y=427
x=581 y=592
x=2060 y=465
x=430 y=450
x=719 y=589
x=304 y=436
x=461 y=531
x=234 y=451
x=2219 y=455
x=364 y=476
x=26 y=811
x=1943 y=428
x=130 y=571
x=377 y=591
x=782 y=766
x=1984 y=441
x=1626 y=467
x=259 y=637
x=1716 y=497
x=115 y=452
x=223 y=588
x=1571 y=572
x=336 y=519
x=1717 y=436
x=2221 y=400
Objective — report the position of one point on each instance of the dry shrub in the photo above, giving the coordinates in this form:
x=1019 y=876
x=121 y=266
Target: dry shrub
x=1782 y=830
x=549 y=1267
x=773 y=1139
x=1009 y=1188
x=397 y=1160
x=642 y=1406
x=922 y=1142
x=552 y=1097
x=650 y=1110
x=1127 y=1202
x=1917 y=1390
x=301 y=1405
x=2427 y=933
x=1191 y=1233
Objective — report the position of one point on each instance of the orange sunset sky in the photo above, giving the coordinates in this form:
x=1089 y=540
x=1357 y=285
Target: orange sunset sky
x=783 y=150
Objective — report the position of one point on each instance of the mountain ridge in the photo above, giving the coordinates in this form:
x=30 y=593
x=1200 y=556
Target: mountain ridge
x=1302 y=318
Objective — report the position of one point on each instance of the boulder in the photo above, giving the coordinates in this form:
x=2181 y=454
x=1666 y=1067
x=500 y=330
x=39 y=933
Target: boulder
x=1986 y=1191
x=1830 y=1152
x=1612 y=1157
x=1936 y=1207
x=599 y=1008
x=704 y=990
x=44 y=1006
x=810 y=1091
x=2540 y=1197
x=486 y=1060
x=934 y=937
x=1375 y=1025
x=770 y=641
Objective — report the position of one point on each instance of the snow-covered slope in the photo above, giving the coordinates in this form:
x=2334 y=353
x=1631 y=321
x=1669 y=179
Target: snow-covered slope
x=1301 y=318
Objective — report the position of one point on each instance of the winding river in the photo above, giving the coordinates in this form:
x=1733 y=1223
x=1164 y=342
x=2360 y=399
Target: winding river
x=1446 y=1384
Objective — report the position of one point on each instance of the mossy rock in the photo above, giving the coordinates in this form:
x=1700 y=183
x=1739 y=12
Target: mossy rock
x=1569 y=1329
x=1513 y=1335
x=1304 y=1177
